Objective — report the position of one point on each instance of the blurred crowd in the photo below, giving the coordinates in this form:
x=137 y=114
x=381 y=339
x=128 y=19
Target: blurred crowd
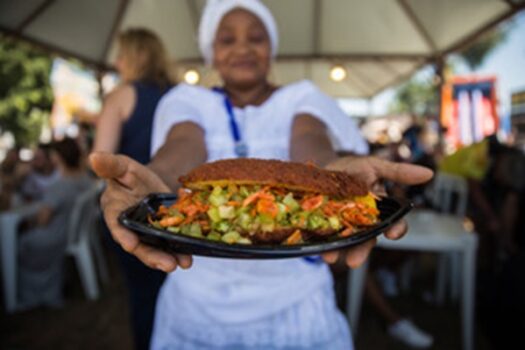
x=494 y=171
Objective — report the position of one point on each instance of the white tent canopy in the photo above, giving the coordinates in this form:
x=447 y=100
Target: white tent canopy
x=379 y=42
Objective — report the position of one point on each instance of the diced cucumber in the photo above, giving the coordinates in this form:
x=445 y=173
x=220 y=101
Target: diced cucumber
x=282 y=211
x=316 y=221
x=334 y=222
x=231 y=237
x=213 y=214
x=226 y=212
x=174 y=229
x=185 y=229
x=244 y=240
x=299 y=219
x=223 y=226
x=244 y=192
x=218 y=197
x=290 y=202
x=266 y=222
x=241 y=210
x=244 y=220
x=214 y=236
x=195 y=230
x=236 y=197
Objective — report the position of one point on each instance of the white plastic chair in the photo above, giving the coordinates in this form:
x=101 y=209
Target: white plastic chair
x=83 y=241
x=448 y=194
x=9 y=222
x=430 y=231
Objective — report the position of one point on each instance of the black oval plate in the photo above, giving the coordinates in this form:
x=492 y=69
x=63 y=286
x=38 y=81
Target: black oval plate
x=135 y=218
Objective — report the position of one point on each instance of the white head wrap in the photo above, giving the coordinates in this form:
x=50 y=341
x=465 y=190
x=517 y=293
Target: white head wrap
x=215 y=10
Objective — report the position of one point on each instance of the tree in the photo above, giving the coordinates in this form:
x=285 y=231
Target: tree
x=475 y=54
x=420 y=97
x=25 y=93
x=416 y=97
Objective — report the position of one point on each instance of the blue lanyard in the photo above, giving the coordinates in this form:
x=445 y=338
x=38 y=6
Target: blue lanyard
x=241 y=149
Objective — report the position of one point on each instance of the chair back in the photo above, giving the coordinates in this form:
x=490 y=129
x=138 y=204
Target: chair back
x=449 y=194
x=83 y=215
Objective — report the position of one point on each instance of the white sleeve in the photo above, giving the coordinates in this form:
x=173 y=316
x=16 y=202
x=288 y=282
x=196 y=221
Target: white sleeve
x=174 y=107
x=343 y=131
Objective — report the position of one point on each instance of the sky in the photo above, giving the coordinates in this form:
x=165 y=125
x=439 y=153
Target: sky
x=506 y=62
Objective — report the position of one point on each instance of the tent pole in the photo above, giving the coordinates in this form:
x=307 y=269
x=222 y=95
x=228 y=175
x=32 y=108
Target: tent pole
x=439 y=78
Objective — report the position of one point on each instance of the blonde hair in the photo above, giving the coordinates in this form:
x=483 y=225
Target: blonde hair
x=146 y=55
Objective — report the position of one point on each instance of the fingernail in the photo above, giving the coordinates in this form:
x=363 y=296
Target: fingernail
x=158 y=267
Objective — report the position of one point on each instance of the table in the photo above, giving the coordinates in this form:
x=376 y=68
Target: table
x=429 y=231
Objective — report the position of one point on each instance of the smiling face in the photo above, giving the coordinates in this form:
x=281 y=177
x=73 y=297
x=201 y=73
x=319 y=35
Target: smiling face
x=242 y=50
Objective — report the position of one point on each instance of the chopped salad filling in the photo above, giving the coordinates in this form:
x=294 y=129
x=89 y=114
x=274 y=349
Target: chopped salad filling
x=243 y=214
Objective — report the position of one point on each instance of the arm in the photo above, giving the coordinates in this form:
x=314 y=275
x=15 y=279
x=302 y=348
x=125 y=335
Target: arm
x=310 y=141
x=116 y=110
x=128 y=182
x=183 y=150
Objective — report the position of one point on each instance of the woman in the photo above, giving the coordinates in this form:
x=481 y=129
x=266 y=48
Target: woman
x=125 y=127
x=231 y=304
x=41 y=249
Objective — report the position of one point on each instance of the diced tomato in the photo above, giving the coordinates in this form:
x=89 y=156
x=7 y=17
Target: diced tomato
x=171 y=221
x=266 y=206
x=346 y=232
x=190 y=210
x=294 y=238
x=162 y=210
x=256 y=196
x=312 y=203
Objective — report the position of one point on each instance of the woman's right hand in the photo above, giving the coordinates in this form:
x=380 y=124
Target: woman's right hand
x=127 y=183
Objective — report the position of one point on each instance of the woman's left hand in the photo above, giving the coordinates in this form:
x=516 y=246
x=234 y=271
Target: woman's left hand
x=372 y=171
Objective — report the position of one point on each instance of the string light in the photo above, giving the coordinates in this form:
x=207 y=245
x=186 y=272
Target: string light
x=191 y=76
x=338 y=73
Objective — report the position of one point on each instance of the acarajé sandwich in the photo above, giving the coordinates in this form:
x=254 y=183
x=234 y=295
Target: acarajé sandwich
x=255 y=201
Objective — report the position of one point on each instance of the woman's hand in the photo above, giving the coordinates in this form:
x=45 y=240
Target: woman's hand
x=127 y=183
x=372 y=171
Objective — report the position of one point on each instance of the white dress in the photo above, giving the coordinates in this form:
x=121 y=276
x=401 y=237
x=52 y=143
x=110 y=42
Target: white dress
x=251 y=304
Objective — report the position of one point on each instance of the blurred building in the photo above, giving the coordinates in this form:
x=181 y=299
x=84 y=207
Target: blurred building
x=518 y=116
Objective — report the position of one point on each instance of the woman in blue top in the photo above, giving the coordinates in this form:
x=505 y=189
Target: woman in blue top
x=124 y=127
x=229 y=304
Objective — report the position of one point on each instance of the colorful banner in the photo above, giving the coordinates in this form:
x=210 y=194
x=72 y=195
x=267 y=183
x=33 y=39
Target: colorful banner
x=468 y=109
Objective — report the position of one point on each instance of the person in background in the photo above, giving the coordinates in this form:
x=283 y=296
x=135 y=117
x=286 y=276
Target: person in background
x=43 y=174
x=494 y=174
x=9 y=178
x=41 y=248
x=124 y=127
x=233 y=304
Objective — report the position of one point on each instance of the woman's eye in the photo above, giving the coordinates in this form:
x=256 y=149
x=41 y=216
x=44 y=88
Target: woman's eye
x=226 y=40
x=257 y=38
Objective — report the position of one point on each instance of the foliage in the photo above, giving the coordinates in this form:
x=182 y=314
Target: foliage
x=475 y=54
x=25 y=92
x=419 y=97
x=416 y=97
